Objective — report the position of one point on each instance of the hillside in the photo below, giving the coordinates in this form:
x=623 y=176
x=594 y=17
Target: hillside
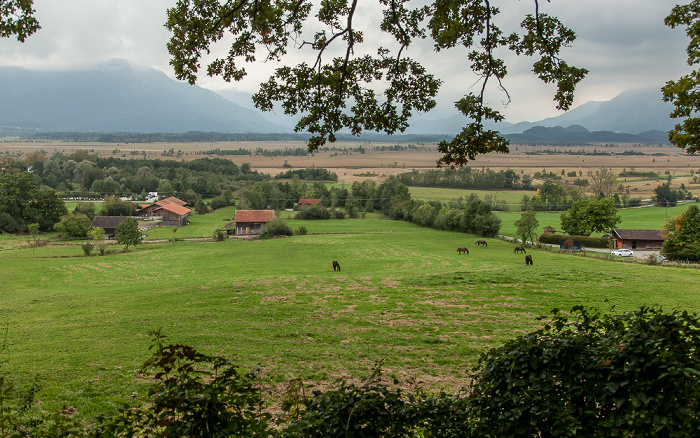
x=118 y=98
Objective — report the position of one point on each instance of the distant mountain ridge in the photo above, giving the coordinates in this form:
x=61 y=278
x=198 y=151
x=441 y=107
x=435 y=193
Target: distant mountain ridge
x=634 y=111
x=117 y=98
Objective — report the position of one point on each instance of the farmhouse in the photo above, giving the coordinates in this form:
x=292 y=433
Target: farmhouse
x=172 y=210
x=637 y=239
x=108 y=223
x=305 y=203
x=250 y=222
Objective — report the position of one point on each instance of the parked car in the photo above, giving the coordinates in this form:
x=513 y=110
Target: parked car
x=623 y=253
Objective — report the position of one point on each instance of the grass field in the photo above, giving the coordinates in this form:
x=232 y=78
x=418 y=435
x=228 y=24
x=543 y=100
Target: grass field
x=647 y=218
x=78 y=325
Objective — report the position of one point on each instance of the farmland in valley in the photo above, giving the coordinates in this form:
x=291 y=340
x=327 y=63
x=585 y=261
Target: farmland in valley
x=77 y=325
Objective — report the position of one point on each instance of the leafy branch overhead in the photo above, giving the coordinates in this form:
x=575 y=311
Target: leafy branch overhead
x=346 y=85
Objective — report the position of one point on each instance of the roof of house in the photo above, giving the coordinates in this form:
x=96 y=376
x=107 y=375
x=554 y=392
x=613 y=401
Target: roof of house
x=177 y=209
x=309 y=201
x=639 y=234
x=171 y=200
x=254 y=215
x=107 y=221
x=548 y=227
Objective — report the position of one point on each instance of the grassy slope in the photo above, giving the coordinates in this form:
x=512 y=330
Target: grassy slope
x=404 y=294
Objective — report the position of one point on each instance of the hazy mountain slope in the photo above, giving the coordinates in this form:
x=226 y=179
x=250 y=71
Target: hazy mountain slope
x=633 y=111
x=118 y=98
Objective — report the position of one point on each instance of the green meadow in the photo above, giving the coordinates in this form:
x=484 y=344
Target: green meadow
x=646 y=218
x=78 y=325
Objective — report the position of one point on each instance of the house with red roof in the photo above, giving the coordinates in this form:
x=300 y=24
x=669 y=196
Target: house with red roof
x=251 y=222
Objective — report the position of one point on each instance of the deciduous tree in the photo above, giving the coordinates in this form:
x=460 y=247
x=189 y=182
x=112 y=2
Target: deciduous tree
x=587 y=216
x=683 y=236
x=17 y=19
x=350 y=83
x=128 y=233
x=526 y=226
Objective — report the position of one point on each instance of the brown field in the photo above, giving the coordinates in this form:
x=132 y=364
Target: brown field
x=378 y=165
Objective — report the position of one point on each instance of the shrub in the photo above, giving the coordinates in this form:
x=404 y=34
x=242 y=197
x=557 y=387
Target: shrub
x=586 y=241
x=315 y=212
x=301 y=231
x=220 y=235
x=587 y=374
x=73 y=225
x=338 y=214
x=278 y=227
x=87 y=248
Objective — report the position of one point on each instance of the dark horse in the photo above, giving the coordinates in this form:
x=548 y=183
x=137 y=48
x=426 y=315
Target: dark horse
x=461 y=250
x=336 y=265
x=519 y=249
x=482 y=243
x=528 y=259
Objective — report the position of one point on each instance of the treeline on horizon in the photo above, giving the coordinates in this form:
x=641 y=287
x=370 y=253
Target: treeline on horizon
x=201 y=136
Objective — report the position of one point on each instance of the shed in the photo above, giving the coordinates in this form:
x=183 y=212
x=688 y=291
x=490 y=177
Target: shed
x=638 y=239
x=108 y=223
x=251 y=222
x=549 y=230
x=308 y=203
x=174 y=215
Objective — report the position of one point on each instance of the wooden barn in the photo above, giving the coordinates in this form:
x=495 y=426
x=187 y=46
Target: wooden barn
x=251 y=222
x=305 y=203
x=637 y=239
x=154 y=209
x=108 y=223
x=174 y=215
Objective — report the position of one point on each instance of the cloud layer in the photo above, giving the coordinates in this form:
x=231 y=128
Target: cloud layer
x=623 y=43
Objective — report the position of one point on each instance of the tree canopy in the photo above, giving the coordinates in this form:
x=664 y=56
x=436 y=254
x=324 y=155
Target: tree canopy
x=17 y=19
x=352 y=84
x=587 y=216
x=683 y=236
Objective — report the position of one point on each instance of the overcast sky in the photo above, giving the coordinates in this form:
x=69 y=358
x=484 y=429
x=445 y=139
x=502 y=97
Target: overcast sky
x=623 y=43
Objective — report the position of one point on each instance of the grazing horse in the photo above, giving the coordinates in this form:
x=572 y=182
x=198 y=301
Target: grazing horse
x=336 y=265
x=461 y=250
x=519 y=249
x=528 y=259
x=482 y=243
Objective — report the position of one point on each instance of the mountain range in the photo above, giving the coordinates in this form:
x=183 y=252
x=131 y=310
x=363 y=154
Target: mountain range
x=117 y=97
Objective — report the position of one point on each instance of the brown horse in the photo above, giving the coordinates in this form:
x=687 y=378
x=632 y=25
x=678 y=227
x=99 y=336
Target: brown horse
x=528 y=259
x=461 y=250
x=336 y=265
x=482 y=243
x=519 y=249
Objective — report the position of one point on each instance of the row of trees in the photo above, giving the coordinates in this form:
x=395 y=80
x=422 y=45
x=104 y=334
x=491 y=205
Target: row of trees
x=84 y=173
x=468 y=178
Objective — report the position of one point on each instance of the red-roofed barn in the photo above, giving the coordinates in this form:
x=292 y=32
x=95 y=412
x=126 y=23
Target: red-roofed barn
x=252 y=221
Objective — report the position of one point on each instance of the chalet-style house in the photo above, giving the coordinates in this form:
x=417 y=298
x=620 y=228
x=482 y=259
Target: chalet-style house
x=108 y=223
x=305 y=203
x=637 y=239
x=251 y=222
x=172 y=210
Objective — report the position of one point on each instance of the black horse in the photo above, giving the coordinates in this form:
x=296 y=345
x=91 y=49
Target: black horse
x=461 y=250
x=528 y=259
x=336 y=265
x=482 y=243
x=519 y=249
